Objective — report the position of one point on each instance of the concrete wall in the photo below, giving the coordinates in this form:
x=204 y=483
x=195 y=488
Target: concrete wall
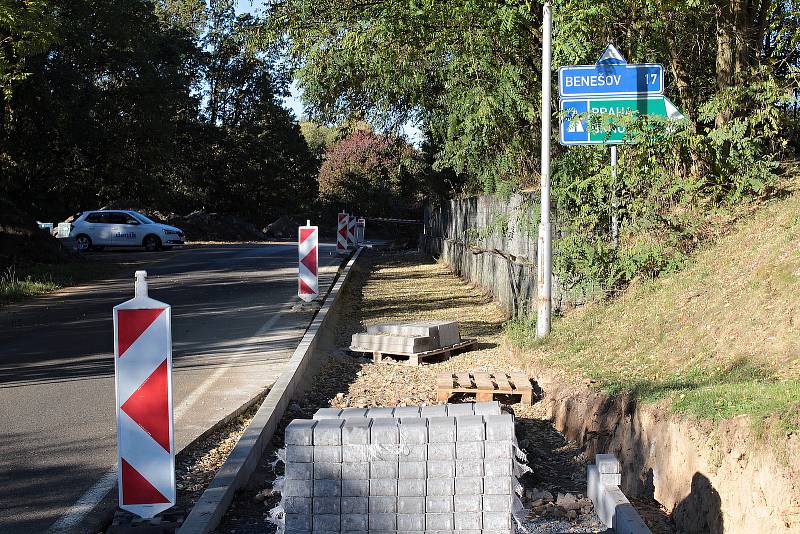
x=491 y=241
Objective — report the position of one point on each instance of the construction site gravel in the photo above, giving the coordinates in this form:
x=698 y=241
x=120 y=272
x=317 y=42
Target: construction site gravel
x=412 y=287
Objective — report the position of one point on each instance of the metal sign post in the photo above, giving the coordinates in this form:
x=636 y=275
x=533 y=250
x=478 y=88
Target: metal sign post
x=308 y=252
x=143 y=385
x=544 y=256
x=614 y=202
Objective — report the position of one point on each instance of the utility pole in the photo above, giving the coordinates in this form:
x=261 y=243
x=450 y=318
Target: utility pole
x=545 y=250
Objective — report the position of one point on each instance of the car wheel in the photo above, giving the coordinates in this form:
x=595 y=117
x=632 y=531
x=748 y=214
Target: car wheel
x=83 y=242
x=151 y=243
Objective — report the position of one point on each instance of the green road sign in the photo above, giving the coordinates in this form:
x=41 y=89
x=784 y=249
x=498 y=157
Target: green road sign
x=577 y=128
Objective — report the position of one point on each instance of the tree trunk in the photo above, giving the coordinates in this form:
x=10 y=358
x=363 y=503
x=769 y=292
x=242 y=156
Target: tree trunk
x=725 y=56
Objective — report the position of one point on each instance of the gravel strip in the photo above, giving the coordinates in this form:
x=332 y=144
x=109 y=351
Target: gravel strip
x=406 y=287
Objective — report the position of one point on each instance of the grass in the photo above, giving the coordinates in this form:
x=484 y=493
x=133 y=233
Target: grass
x=20 y=283
x=718 y=340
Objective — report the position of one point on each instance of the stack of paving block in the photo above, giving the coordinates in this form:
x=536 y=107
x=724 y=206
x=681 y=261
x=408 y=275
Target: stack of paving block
x=424 y=471
x=435 y=410
x=407 y=338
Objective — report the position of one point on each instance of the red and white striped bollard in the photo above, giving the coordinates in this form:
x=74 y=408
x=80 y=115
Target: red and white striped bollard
x=308 y=252
x=341 y=234
x=143 y=384
x=351 y=232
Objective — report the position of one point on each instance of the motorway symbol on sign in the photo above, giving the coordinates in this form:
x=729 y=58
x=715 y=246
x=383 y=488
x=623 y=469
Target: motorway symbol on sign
x=143 y=380
x=577 y=128
x=611 y=76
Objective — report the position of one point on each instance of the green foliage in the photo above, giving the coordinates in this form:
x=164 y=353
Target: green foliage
x=164 y=105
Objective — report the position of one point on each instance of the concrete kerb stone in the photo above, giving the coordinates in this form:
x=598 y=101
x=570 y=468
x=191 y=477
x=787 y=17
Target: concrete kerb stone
x=243 y=460
x=615 y=511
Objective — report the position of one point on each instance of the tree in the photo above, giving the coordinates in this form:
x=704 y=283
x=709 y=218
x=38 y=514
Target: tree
x=372 y=174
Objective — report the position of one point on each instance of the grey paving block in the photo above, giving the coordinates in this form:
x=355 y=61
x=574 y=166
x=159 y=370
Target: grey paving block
x=469 y=450
x=297 y=488
x=389 y=343
x=497 y=486
x=441 y=469
x=459 y=409
x=354 y=453
x=299 y=453
x=406 y=412
x=411 y=488
x=479 y=532
x=498 y=450
x=499 y=427
x=327 y=471
x=328 y=453
x=355 y=522
x=435 y=410
x=356 y=431
x=355 y=505
x=439 y=486
x=439 y=504
x=327 y=522
x=496 y=521
x=299 y=432
x=374 y=413
x=382 y=522
x=328 y=432
x=441 y=451
x=413 y=453
x=439 y=521
x=296 y=505
x=355 y=471
x=299 y=471
x=327 y=505
x=469 y=486
x=382 y=469
x=384 y=431
x=411 y=522
x=382 y=505
x=469 y=468
x=327 y=488
x=486 y=408
x=444 y=333
x=497 y=468
x=607 y=463
x=497 y=503
x=348 y=413
x=410 y=505
x=413 y=470
x=383 y=487
x=298 y=522
x=327 y=413
x=468 y=503
x=441 y=430
x=468 y=521
x=470 y=428
x=413 y=431
x=355 y=488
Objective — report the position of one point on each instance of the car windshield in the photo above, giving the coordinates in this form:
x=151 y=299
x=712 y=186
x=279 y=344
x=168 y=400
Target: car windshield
x=142 y=218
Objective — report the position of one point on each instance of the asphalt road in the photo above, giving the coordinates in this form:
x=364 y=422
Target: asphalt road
x=235 y=323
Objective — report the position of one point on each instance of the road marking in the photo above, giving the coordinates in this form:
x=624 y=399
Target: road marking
x=87 y=502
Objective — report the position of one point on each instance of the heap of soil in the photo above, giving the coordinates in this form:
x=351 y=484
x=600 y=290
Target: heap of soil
x=22 y=242
x=282 y=228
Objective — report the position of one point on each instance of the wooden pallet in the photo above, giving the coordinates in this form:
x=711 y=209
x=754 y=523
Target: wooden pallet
x=484 y=385
x=417 y=357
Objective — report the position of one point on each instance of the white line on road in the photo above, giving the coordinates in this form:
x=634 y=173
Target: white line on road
x=87 y=502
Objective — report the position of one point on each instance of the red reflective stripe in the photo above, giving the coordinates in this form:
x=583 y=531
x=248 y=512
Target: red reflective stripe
x=310 y=261
x=305 y=289
x=136 y=489
x=131 y=324
x=149 y=406
x=305 y=233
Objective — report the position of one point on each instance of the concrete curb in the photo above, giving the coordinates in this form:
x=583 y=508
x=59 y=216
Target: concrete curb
x=235 y=472
x=615 y=511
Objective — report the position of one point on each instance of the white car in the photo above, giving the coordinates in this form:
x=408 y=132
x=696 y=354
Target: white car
x=94 y=230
